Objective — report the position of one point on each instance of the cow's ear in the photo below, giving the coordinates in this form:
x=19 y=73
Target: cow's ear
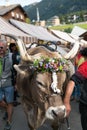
x=19 y=70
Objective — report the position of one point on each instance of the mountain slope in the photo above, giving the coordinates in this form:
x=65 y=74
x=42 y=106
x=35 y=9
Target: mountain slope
x=50 y=8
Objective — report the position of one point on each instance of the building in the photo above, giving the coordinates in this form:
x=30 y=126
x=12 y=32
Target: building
x=43 y=23
x=80 y=32
x=13 y=11
x=53 y=21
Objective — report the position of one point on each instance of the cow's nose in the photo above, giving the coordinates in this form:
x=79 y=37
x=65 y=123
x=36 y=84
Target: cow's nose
x=54 y=113
x=60 y=113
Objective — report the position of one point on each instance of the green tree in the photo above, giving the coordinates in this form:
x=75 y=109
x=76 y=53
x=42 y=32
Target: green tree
x=28 y=20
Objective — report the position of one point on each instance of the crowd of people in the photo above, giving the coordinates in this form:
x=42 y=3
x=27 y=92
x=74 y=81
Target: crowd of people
x=8 y=93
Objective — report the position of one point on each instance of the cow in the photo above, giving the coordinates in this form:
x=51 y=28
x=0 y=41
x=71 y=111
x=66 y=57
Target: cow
x=42 y=87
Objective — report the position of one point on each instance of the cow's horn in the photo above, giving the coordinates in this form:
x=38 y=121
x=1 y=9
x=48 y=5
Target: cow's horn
x=23 y=53
x=19 y=70
x=73 y=51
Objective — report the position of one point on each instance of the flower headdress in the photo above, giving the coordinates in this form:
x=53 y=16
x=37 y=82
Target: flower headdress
x=50 y=64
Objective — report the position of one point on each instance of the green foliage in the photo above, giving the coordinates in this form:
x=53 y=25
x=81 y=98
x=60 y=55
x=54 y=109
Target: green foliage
x=27 y=20
x=68 y=27
x=63 y=27
x=68 y=30
x=50 y=8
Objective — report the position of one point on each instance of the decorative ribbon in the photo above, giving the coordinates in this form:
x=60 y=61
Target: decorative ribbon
x=54 y=83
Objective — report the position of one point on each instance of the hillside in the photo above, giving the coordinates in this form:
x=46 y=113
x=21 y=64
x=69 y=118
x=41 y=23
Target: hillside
x=50 y=8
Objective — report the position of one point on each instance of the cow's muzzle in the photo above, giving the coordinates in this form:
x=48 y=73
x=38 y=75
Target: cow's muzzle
x=54 y=113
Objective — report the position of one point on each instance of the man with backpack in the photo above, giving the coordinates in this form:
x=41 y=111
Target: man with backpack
x=6 y=87
x=15 y=57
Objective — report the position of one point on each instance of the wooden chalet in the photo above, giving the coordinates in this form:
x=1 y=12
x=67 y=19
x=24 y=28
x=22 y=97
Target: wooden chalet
x=13 y=11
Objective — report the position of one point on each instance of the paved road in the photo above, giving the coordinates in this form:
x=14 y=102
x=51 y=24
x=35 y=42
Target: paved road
x=20 y=123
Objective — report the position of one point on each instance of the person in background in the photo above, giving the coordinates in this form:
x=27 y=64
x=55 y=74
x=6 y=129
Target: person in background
x=79 y=59
x=79 y=78
x=6 y=87
x=15 y=60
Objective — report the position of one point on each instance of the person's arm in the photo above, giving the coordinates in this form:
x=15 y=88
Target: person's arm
x=68 y=93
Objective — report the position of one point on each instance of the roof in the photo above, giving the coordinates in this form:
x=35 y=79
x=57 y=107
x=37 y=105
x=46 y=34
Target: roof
x=6 y=27
x=69 y=37
x=52 y=18
x=78 y=31
x=63 y=35
x=6 y=9
x=36 y=31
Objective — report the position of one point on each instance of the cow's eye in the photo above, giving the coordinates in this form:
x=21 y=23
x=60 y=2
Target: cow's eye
x=41 y=86
x=39 y=83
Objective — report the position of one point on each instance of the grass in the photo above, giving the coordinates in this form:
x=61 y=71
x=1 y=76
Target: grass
x=69 y=26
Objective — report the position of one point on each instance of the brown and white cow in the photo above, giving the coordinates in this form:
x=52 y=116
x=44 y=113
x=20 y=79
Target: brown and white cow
x=41 y=92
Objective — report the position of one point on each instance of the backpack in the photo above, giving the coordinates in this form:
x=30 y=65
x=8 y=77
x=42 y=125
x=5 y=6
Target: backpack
x=14 y=58
x=12 y=69
x=10 y=58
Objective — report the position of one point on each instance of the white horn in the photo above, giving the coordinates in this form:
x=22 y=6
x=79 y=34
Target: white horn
x=23 y=53
x=19 y=70
x=73 y=51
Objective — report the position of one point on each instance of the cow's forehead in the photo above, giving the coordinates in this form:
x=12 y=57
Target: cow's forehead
x=54 y=81
x=61 y=76
x=44 y=77
x=47 y=77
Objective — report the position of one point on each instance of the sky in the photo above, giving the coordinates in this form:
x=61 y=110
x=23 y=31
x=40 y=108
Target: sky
x=21 y=2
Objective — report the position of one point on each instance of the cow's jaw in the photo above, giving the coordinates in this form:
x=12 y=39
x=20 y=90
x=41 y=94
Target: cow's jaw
x=53 y=113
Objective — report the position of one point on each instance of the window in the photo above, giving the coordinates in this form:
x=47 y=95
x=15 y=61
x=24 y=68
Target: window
x=21 y=16
x=17 y=15
x=12 y=14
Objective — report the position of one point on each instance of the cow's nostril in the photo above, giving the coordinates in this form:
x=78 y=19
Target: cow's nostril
x=59 y=113
x=64 y=110
x=54 y=112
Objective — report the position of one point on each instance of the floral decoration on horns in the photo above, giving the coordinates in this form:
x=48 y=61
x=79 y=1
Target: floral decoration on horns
x=50 y=65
